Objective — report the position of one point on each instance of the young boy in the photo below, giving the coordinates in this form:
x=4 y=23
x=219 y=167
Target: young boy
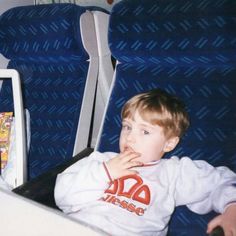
x=134 y=192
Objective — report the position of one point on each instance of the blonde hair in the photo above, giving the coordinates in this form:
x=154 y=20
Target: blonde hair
x=159 y=108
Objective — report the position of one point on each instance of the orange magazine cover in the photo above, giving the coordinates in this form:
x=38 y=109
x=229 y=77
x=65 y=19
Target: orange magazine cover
x=5 y=131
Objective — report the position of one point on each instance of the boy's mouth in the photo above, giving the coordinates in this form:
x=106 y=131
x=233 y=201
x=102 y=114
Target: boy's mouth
x=127 y=148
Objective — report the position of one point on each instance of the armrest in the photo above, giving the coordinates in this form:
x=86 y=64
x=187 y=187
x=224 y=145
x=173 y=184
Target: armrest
x=41 y=189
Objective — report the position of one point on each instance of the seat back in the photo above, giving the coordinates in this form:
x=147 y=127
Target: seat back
x=187 y=48
x=58 y=69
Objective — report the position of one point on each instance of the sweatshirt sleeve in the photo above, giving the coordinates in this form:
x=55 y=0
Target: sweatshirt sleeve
x=203 y=187
x=81 y=183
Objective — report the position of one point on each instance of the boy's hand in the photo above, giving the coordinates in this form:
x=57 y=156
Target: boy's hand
x=121 y=164
x=227 y=221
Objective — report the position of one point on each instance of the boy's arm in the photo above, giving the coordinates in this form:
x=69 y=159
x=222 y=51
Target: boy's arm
x=226 y=220
x=210 y=188
x=203 y=187
x=82 y=183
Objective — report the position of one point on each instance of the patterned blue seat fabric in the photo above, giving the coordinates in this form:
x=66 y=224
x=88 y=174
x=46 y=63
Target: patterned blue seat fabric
x=187 y=48
x=44 y=44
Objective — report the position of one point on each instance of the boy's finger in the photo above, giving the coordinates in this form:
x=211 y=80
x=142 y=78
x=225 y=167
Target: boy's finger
x=123 y=155
x=128 y=156
x=213 y=223
x=132 y=156
x=133 y=164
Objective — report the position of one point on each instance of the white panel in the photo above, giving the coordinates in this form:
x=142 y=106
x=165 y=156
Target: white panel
x=88 y=34
x=105 y=70
x=23 y=217
x=20 y=138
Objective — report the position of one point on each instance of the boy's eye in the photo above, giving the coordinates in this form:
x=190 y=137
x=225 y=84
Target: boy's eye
x=146 y=132
x=126 y=127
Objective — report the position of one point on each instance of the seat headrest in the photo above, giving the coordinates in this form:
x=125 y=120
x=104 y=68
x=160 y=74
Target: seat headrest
x=170 y=32
x=47 y=33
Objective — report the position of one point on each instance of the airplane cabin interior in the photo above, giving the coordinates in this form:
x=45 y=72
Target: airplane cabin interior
x=68 y=67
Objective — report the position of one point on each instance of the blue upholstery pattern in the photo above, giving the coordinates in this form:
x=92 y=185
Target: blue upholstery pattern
x=187 y=48
x=44 y=44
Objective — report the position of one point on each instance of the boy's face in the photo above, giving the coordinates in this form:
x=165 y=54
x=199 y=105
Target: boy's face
x=148 y=140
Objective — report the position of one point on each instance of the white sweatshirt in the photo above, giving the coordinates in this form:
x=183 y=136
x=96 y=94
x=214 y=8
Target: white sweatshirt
x=142 y=204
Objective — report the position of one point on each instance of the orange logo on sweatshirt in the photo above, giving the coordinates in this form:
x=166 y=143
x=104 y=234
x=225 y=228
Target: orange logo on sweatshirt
x=134 y=190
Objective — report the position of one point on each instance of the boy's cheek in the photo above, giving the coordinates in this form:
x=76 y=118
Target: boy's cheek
x=121 y=145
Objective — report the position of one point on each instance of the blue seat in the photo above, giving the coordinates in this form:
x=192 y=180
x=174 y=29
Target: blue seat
x=48 y=45
x=187 y=48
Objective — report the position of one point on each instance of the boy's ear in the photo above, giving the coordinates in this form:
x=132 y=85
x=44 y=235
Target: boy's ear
x=171 y=143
